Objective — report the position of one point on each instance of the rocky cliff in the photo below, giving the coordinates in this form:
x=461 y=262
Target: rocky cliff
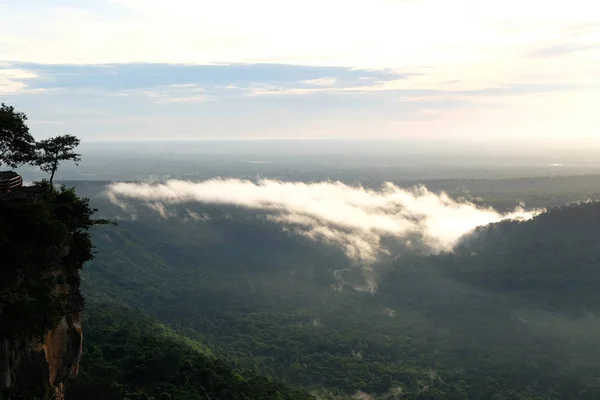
x=43 y=244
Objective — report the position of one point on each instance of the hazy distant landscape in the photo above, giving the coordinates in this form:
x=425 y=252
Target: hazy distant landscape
x=299 y=200
x=346 y=160
x=336 y=270
x=509 y=312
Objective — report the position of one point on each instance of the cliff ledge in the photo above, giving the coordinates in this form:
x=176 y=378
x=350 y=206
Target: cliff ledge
x=44 y=243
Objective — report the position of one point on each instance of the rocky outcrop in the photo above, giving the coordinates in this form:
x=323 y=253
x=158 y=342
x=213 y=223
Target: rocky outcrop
x=41 y=367
x=43 y=245
x=63 y=345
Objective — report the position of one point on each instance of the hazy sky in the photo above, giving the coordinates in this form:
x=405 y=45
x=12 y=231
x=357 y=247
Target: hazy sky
x=134 y=69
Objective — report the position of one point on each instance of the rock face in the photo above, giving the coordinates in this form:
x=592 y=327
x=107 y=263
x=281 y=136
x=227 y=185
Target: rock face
x=43 y=366
x=62 y=350
x=63 y=346
x=43 y=245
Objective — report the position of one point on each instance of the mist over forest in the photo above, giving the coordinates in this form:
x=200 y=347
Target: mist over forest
x=459 y=288
x=299 y=200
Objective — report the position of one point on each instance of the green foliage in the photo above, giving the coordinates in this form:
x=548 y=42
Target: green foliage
x=51 y=152
x=492 y=320
x=43 y=231
x=44 y=243
x=129 y=356
x=18 y=147
x=16 y=143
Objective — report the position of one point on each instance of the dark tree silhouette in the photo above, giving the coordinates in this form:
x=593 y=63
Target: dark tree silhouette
x=51 y=152
x=17 y=146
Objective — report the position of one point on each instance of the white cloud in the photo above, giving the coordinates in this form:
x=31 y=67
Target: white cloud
x=184 y=93
x=160 y=209
x=14 y=80
x=194 y=216
x=456 y=45
x=320 y=81
x=460 y=35
x=355 y=218
x=273 y=90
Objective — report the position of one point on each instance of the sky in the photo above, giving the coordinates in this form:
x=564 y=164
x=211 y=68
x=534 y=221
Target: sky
x=512 y=71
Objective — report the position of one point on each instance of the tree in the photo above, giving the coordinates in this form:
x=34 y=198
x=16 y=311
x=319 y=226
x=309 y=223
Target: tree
x=51 y=152
x=17 y=146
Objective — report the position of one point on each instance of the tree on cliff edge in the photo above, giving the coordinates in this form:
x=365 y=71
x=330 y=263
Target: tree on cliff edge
x=51 y=152
x=17 y=146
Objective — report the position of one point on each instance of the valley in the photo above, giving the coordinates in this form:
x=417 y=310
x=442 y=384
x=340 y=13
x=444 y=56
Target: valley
x=511 y=314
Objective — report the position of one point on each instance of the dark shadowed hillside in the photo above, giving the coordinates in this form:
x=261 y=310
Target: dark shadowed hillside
x=130 y=356
x=510 y=315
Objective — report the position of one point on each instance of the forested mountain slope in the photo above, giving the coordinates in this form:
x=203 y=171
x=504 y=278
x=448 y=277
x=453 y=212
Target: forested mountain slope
x=131 y=356
x=510 y=314
x=551 y=262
